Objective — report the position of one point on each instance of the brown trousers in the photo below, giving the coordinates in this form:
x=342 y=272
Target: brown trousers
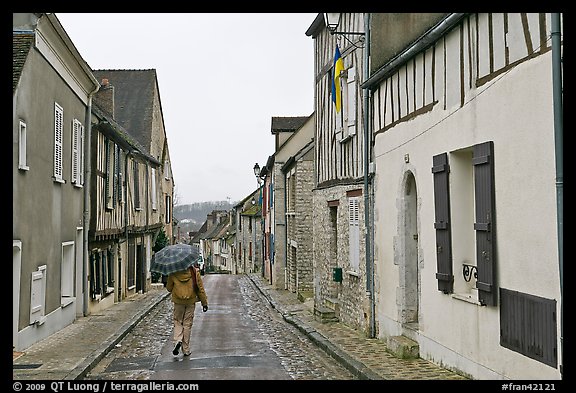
x=183 y=317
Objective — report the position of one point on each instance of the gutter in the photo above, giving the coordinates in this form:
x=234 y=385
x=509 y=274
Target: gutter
x=86 y=216
x=427 y=39
x=559 y=145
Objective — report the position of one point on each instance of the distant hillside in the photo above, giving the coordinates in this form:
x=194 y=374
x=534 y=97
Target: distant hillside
x=191 y=217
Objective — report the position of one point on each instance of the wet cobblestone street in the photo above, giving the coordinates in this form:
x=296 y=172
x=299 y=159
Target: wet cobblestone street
x=140 y=348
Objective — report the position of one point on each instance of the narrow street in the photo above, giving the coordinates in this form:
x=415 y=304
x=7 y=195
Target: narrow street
x=241 y=337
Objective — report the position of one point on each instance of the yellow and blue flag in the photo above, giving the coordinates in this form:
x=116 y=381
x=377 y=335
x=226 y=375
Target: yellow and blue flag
x=338 y=68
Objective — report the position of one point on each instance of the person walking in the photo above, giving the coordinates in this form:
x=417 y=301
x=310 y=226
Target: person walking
x=187 y=289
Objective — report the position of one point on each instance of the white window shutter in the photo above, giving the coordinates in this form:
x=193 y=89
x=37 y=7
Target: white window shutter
x=75 y=140
x=154 y=188
x=58 y=136
x=80 y=154
x=22 y=146
x=351 y=101
x=38 y=295
x=354 y=233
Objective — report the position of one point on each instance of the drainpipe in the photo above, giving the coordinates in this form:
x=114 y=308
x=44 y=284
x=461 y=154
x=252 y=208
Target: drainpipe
x=86 y=215
x=286 y=278
x=558 y=139
x=367 y=142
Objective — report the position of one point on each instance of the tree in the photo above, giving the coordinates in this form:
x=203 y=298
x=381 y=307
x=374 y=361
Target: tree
x=161 y=242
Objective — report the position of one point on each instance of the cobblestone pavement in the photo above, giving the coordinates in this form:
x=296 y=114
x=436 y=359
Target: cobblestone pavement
x=366 y=358
x=301 y=358
x=74 y=351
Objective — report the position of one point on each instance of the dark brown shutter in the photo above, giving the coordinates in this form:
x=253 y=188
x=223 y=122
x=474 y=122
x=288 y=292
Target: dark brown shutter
x=483 y=161
x=528 y=325
x=440 y=170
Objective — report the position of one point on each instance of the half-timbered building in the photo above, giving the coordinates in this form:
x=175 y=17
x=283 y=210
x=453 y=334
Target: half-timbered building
x=338 y=200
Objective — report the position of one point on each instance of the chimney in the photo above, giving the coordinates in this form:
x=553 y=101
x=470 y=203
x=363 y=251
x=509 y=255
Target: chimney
x=105 y=97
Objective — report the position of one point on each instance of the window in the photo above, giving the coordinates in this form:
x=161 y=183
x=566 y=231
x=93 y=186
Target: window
x=77 y=176
x=110 y=271
x=58 y=137
x=473 y=186
x=168 y=209
x=120 y=159
x=109 y=174
x=67 y=273
x=167 y=172
x=354 y=233
x=153 y=175
x=131 y=273
x=22 y=158
x=291 y=193
x=95 y=274
x=136 y=186
x=462 y=204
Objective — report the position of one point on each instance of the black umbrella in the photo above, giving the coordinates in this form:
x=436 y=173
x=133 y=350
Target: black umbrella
x=173 y=258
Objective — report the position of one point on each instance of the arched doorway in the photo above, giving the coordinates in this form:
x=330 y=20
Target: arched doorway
x=410 y=277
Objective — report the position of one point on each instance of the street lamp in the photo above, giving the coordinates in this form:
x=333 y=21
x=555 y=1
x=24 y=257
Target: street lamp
x=332 y=21
x=257 y=173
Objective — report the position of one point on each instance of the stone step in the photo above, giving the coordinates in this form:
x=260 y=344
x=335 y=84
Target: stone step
x=324 y=314
x=403 y=347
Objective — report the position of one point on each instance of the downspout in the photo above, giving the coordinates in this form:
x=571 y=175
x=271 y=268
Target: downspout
x=286 y=279
x=367 y=142
x=559 y=142
x=126 y=204
x=86 y=216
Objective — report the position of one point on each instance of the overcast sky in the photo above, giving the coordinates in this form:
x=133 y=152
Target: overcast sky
x=222 y=77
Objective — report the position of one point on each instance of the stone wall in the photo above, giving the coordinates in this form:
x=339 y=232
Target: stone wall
x=331 y=249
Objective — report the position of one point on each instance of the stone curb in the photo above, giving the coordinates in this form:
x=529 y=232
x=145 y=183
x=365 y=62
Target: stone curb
x=355 y=367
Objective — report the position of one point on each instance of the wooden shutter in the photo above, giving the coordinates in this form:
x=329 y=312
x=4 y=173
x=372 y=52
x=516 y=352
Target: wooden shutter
x=153 y=170
x=120 y=175
x=484 y=226
x=38 y=295
x=354 y=232
x=528 y=325
x=136 y=185
x=80 y=154
x=440 y=170
x=351 y=108
x=115 y=167
x=75 y=140
x=109 y=175
x=58 y=136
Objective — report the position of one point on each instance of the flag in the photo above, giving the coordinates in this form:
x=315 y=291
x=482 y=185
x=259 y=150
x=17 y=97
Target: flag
x=338 y=68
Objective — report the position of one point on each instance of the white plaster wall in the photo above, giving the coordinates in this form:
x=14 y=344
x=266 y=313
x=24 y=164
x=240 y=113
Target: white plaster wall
x=515 y=111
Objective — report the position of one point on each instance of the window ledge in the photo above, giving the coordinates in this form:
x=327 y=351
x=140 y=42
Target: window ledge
x=66 y=301
x=346 y=139
x=24 y=167
x=467 y=297
x=59 y=180
x=353 y=273
x=78 y=185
